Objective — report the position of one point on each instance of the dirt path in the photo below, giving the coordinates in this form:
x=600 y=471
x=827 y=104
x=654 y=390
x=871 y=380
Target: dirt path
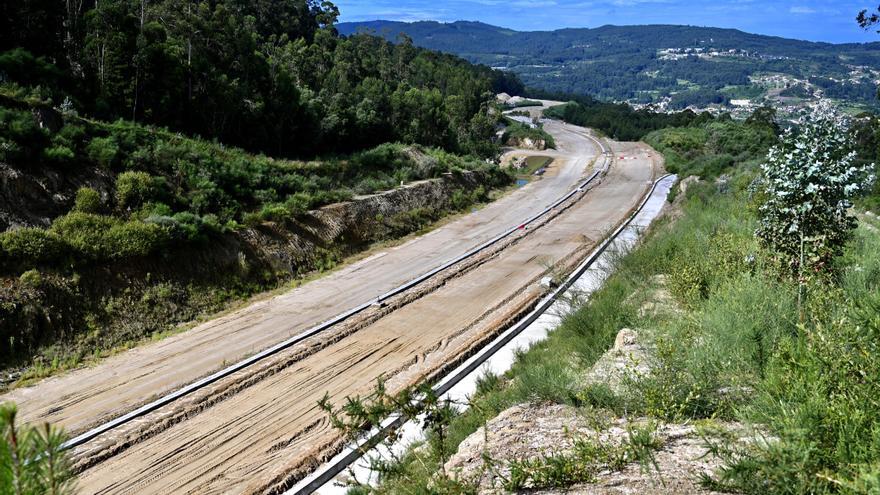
x=86 y=397
x=256 y=438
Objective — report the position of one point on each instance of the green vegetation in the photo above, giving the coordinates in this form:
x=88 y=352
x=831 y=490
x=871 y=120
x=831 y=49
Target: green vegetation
x=750 y=92
x=269 y=76
x=31 y=459
x=619 y=121
x=808 y=182
x=796 y=91
x=170 y=189
x=714 y=147
x=87 y=201
x=699 y=98
x=866 y=132
x=627 y=63
x=517 y=132
x=533 y=164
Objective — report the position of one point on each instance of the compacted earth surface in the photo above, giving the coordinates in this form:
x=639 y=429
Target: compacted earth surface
x=261 y=429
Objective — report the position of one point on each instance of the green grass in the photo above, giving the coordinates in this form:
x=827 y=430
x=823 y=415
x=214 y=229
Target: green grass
x=749 y=92
x=533 y=163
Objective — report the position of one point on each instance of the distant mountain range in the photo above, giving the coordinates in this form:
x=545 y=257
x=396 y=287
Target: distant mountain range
x=672 y=66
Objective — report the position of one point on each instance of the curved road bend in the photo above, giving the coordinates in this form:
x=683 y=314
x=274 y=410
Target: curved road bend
x=84 y=398
x=255 y=438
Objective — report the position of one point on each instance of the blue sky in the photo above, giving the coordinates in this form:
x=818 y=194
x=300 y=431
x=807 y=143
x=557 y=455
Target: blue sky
x=815 y=20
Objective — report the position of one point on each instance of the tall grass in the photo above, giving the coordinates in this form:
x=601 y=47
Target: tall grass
x=820 y=396
x=737 y=348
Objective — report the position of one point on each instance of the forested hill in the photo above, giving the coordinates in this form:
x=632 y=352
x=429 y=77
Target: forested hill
x=268 y=75
x=648 y=63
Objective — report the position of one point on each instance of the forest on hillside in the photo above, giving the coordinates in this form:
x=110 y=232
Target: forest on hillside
x=642 y=64
x=618 y=120
x=269 y=76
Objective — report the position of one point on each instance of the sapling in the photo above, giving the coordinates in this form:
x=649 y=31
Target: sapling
x=809 y=180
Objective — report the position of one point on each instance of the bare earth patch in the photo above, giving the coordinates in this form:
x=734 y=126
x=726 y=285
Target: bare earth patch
x=530 y=431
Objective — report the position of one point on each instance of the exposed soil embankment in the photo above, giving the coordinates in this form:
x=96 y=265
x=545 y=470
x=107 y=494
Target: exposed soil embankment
x=34 y=199
x=527 y=143
x=63 y=318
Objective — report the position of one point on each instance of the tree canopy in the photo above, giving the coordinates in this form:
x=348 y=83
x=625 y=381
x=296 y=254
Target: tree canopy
x=268 y=75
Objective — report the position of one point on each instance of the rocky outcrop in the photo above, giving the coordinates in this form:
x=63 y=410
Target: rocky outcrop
x=629 y=359
x=527 y=143
x=344 y=228
x=677 y=467
x=32 y=198
x=530 y=431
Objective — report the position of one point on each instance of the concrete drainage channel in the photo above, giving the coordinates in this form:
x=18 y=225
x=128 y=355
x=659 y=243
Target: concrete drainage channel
x=498 y=355
x=260 y=356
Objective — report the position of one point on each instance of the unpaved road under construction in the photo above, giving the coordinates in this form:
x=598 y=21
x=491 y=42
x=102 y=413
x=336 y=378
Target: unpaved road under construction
x=83 y=398
x=261 y=428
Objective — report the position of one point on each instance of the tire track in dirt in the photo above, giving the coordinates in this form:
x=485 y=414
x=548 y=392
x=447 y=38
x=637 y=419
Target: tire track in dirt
x=233 y=446
x=88 y=397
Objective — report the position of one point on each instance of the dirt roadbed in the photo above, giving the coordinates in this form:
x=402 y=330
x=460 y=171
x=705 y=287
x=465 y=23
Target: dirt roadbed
x=265 y=435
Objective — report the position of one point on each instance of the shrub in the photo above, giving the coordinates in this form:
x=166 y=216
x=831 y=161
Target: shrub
x=808 y=182
x=133 y=189
x=58 y=153
x=820 y=398
x=409 y=221
x=31 y=246
x=369 y=185
x=252 y=219
x=103 y=151
x=459 y=199
x=328 y=197
x=297 y=204
x=190 y=226
x=153 y=209
x=31 y=279
x=22 y=137
x=688 y=283
x=87 y=200
x=134 y=238
x=274 y=212
x=84 y=232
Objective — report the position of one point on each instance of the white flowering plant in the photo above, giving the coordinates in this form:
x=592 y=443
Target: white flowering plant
x=808 y=182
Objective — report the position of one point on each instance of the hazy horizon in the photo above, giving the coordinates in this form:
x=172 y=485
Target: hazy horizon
x=804 y=20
